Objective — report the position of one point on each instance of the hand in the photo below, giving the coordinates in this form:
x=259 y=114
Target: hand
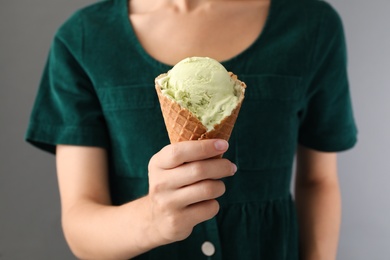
x=184 y=182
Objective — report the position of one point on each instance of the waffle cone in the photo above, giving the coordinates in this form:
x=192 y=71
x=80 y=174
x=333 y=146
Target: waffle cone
x=182 y=125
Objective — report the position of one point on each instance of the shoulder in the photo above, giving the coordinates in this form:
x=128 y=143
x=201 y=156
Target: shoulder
x=88 y=24
x=88 y=18
x=310 y=10
x=317 y=18
x=318 y=10
x=316 y=7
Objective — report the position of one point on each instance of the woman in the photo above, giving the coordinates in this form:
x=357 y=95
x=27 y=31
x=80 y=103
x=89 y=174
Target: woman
x=126 y=193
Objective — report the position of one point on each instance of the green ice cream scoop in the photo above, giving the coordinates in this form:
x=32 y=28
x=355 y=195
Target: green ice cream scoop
x=204 y=87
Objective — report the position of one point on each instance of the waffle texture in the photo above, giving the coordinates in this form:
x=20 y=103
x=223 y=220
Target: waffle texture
x=182 y=125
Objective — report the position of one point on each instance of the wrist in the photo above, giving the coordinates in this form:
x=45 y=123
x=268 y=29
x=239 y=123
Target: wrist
x=147 y=236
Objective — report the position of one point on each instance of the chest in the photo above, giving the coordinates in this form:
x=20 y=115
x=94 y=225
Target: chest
x=220 y=31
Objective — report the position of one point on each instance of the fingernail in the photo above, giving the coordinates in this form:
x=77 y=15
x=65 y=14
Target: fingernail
x=234 y=168
x=221 y=145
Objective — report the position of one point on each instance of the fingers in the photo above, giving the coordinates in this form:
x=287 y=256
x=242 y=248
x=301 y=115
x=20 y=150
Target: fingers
x=184 y=181
x=179 y=200
x=198 y=192
x=176 y=154
x=202 y=211
x=193 y=172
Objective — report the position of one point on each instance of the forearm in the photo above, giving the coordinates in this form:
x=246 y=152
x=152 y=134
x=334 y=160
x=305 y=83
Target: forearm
x=96 y=231
x=319 y=214
x=184 y=183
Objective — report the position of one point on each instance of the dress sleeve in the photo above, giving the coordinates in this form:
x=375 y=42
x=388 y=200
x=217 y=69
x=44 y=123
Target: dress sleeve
x=327 y=121
x=66 y=109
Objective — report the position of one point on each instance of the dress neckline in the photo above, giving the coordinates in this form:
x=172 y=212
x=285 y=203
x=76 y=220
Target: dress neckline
x=130 y=33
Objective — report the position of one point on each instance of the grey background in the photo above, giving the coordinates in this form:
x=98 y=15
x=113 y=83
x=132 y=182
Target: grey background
x=29 y=201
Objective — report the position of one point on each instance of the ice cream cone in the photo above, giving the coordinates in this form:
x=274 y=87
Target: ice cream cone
x=182 y=125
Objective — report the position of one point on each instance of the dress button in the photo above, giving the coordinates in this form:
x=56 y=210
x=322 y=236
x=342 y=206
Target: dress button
x=208 y=248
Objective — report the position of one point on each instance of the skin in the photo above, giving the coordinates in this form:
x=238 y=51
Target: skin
x=184 y=180
x=184 y=183
x=318 y=201
x=192 y=26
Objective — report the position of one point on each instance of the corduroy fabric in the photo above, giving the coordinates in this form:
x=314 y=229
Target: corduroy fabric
x=98 y=90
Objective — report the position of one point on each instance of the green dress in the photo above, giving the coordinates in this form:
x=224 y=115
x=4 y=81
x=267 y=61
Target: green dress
x=98 y=90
